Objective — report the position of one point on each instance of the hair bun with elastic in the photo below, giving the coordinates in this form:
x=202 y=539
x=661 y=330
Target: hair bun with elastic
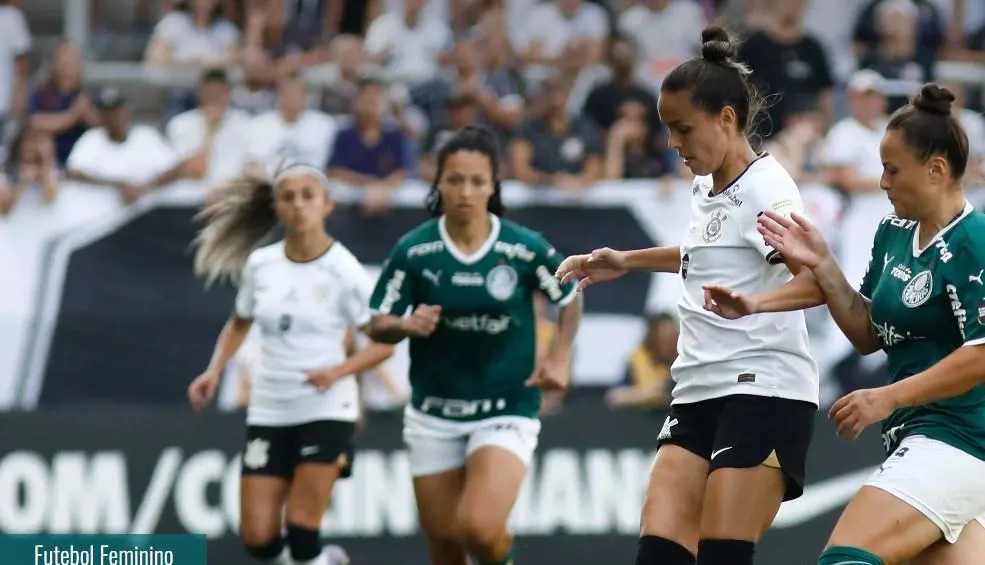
x=717 y=46
x=934 y=99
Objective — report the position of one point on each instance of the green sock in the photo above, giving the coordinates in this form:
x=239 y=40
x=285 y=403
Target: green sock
x=848 y=556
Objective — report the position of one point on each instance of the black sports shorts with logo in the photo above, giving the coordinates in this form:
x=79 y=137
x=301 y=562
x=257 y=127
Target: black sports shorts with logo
x=742 y=431
x=277 y=450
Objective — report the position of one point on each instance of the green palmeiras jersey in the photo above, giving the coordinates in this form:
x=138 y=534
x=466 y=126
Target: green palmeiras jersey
x=925 y=304
x=476 y=362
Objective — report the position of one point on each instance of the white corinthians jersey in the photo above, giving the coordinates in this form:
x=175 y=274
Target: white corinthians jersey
x=763 y=354
x=303 y=311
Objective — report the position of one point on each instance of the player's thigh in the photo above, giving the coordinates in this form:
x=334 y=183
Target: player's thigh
x=324 y=452
x=499 y=451
x=676 y=488
x=267 y=468
x=969 y=548
x=436 y=453
x=924 y=491
x=439 y=496
x=758 y=460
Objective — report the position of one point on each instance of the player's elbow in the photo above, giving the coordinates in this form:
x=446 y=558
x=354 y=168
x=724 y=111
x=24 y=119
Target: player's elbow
x=385 y=330
x=866 y=346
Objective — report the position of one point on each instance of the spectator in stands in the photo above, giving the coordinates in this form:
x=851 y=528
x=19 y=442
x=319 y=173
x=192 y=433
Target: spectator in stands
x=604 y=101
x=647 y=382
x=973 y=51
x=194 y=33
x=409 y=43
x=633 y=149
x=788 y=62
x=461 y=111
x=255 y=94
x=31 y=164
x=851 y=149
x=974 y=126
x=369 y=152
x=553 y=24
x=293 y=34
x=799 y=144
x=880 y=20
x=347 y=53
x=120 y=156
x=214 y=136
x=15 y=43
x=897 y=55
x=557 y=150
x=292 y=133
x=666 y=32
x=60 y=107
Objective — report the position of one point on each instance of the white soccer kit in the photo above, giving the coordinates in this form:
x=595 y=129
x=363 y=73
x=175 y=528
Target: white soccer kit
x=303 y=311
x=763 y=354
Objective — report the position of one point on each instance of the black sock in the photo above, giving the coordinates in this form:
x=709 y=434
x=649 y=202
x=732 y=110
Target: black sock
x=725 y=552
x=653 y=550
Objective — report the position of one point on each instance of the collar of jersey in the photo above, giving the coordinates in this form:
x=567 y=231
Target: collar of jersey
x=968 y=209
x=494 y=227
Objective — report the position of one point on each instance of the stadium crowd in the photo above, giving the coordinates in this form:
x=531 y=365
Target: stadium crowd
x=368 y=90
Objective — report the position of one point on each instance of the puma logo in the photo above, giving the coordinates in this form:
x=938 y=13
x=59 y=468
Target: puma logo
x=430 y=275
x=977 y=278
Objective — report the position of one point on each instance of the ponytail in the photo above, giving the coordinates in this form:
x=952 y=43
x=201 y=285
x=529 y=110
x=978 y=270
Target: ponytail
x=238 y=219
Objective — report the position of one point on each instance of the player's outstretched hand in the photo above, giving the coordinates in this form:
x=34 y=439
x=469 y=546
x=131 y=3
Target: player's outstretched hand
x=727 y=303
x=549 y=376
x=794 y=238
x=601 y=265
x=860 y=409
x=423 y=321
x=202 y=390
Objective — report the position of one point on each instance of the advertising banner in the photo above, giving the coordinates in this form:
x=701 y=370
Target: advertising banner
x=114 y=470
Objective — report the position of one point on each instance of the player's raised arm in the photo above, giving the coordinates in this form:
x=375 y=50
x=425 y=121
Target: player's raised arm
x=795 y=237
x=605 y=264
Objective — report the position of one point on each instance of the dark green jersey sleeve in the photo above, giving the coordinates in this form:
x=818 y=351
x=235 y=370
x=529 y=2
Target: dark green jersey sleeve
x=394 y=291
x=876 y=265
x=966 y=289
x=545 y=263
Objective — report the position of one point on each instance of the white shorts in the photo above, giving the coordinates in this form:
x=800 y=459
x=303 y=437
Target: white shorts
x=436 y=445
x=944 y=483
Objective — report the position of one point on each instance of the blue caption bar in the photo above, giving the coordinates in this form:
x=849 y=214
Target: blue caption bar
x=76 y=549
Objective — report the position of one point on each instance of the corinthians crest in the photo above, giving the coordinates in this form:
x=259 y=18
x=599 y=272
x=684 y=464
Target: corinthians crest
x=918 y=290
x=713 y=231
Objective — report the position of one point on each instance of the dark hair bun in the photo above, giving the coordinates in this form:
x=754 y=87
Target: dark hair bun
x=717 y=46
x=934 y=99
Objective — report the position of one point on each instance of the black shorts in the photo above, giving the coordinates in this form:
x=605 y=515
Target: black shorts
x=277 y=450
x=742 y=431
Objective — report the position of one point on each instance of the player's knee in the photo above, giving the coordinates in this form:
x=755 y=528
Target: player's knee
x=304 y=542
x=265 y=549
x=655 y=550
x=841 y=554
x=478 y=532
x=725 y=552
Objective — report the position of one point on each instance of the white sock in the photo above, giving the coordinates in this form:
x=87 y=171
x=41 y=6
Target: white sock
x=322 y=559
x=330 y=555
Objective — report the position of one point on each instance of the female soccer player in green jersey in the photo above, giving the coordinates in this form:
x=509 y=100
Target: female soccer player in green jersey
x=922 y=300
x=469 y=277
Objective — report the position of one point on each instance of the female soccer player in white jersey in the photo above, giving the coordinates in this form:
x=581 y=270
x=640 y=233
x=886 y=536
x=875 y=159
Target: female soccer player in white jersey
x=735 y=443
x=304 y=293
x=469 y=277
x=922 y=300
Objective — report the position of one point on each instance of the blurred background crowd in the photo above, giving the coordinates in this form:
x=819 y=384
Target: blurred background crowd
x=130 y=95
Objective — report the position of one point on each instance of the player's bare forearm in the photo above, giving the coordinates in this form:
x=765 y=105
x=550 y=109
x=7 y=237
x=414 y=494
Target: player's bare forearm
x=954 y=375
x=230 y=340
x=655 y=259
x=848 y=308
x=800 y=293
x=365 y=359
x=569 y=318
x=385 y=329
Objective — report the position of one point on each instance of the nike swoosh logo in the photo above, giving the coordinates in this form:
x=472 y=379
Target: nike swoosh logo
x=822 y=497
x=715 y=454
